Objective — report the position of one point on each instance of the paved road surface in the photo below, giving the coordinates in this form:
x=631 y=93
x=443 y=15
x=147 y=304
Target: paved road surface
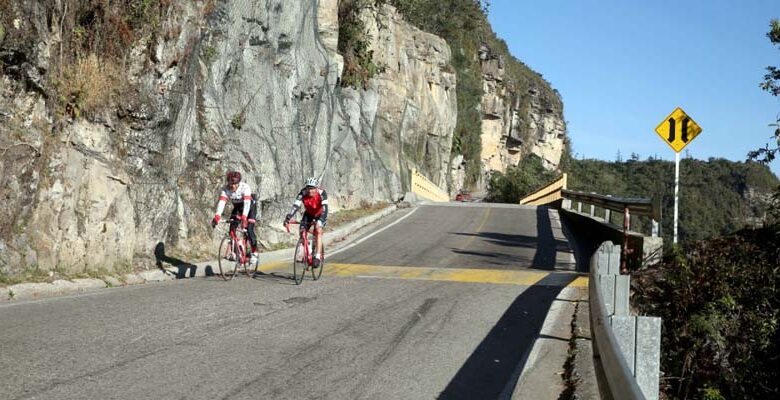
x=412 y=312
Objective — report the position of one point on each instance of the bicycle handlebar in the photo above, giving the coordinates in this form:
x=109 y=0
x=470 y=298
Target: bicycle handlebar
x=290 y=222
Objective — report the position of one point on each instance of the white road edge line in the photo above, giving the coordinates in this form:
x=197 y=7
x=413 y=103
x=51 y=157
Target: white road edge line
x=351 y=245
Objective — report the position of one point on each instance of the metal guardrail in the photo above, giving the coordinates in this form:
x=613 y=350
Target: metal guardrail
x=635 y=206
x=557 y=190
x=628 y=347
x=422 y=186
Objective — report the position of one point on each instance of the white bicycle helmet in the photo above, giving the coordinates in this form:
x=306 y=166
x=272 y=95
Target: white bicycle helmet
x=312 y=181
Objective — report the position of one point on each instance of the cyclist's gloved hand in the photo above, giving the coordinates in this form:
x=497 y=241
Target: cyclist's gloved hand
x=244 y=221
x=215 y=221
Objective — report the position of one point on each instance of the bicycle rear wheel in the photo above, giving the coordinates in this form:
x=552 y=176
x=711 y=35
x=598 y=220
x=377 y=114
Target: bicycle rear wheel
x=227 y=267
x=317 y=272
x=300 y=262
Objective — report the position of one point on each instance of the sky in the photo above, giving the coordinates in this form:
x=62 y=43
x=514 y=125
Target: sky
x=622 y=67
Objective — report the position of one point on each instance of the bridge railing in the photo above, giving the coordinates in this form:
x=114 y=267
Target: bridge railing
x=421 y=186
x=602 y=206
x=546 y=195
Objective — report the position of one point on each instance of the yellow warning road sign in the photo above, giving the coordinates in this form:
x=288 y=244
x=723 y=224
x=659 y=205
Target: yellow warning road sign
x=678 y=129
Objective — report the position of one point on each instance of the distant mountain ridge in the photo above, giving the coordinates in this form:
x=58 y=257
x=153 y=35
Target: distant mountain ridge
x=717 y=196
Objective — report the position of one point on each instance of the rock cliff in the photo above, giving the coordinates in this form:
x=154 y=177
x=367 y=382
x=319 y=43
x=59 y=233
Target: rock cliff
x=97 y=181
x=521 y=116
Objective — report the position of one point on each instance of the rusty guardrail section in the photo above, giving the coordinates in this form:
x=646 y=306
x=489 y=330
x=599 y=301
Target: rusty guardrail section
x=547 y=194
x=422 y=186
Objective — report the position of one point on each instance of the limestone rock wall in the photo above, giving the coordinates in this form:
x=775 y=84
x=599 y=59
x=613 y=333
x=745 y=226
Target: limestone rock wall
x=521 y=116
x=247 y=84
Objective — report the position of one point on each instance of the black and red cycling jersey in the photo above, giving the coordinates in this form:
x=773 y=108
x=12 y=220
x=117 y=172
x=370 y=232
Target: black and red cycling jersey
x=315 y=206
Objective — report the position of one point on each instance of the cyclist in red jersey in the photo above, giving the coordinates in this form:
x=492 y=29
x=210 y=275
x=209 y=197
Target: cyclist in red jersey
x=315 y=212
x=244 y=208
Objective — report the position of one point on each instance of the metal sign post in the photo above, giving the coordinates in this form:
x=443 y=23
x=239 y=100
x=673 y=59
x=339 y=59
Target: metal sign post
x=667 y=130
x=676 y=191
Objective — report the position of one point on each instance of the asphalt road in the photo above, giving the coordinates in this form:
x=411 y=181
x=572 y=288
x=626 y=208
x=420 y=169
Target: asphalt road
x=412 y=312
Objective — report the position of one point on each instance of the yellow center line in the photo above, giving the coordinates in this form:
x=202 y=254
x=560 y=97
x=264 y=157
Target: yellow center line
x=485 y=215
x=471 y=275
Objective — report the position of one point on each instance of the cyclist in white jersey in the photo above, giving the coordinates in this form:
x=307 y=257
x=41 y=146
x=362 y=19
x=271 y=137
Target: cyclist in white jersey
x=244 y=208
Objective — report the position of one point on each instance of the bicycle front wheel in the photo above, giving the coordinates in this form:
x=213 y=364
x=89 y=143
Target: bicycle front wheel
x=228 y=259
x=300 y=262
x=247 y=266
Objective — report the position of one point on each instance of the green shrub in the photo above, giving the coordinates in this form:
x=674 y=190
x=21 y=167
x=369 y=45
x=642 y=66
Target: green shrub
x=720 y=305
x=518 y=181
x=353 y=44
x=237 y=121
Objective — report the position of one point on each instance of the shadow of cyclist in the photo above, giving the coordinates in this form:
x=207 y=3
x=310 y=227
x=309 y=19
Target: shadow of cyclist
x=278 y=277
x=182 y=267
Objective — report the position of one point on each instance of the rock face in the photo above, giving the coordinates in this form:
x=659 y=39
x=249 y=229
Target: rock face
x=521 y=116
x=246 y=85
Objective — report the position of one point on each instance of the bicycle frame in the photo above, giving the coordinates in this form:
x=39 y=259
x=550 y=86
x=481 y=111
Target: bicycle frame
x=238 y=245
x=306 y=259
x=304 y=235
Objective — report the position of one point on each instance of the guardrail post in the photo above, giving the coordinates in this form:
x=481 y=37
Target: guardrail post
x=625 y=333
x=648 y=355
x=608 y=215
x=655 y=229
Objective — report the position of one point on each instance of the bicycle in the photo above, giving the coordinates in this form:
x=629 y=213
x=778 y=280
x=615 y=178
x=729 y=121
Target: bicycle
x=233 y=253
x=303 y=259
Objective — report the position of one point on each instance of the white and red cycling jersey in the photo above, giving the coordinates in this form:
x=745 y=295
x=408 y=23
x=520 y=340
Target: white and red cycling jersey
x=241 y=197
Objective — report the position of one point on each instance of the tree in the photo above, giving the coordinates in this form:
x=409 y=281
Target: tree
x=771 y=84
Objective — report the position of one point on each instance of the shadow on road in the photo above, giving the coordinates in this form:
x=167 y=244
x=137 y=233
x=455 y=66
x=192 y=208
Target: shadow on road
x=277 y=277
x=546 y=245
x=184 y=269
x=494 y=367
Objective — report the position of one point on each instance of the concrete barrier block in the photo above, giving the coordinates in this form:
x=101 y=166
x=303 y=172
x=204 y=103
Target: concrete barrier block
x=113 y=281
x=648 y=355
x=89 y=284
x=156 y=276
x=29 y=291
x=622 y=293
x=133 y=279
x=607 y=284
x=625 y=333
x=614 y=260
x=65 y=287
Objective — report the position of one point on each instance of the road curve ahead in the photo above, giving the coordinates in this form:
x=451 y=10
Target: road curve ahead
x=444 y=304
